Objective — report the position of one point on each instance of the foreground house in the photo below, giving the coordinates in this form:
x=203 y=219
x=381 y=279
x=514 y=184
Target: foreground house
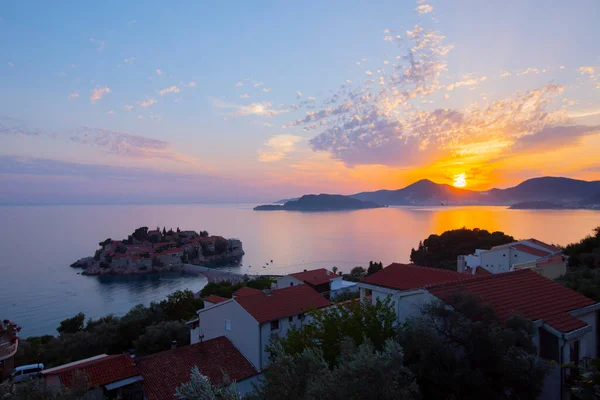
x=104 y=376
x=250 y=320
x=164 y=372
x=524 y=254
x=567 y=322
x=322 y=280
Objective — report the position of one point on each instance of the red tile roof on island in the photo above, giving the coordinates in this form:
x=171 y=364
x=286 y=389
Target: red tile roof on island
x=100 y=370
x=280 y=303
x=164 y=372
x=524 y=292
x=411 y=277
x=315 y=276
x=213 y=298
x=246 y=291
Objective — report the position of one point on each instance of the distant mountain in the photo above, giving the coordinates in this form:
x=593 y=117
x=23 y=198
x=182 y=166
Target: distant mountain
x=537 y=205
x=423 y=192
x=566 y=191
x=282 y=201
x=321 y=202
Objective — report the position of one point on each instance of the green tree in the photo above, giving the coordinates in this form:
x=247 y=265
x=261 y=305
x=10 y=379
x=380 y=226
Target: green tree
x=204 y=234
x=374 y=267
x=164 y=231
x=465 y=352
x=357 y=320
x=72 y=325
x=363 y=372
x=160 y=337
x=583 y=273
x=199 y=387
x=441 y=251
x=181 y=305
x=37 y=389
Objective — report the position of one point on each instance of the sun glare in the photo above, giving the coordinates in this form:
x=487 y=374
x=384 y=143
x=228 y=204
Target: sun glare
x=460 y=180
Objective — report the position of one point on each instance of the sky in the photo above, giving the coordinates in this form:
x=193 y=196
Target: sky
x=148 y=101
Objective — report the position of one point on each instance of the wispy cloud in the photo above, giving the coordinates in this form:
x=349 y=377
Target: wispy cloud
x=172 y=89
x=129 y=60
x=159 y=72
x=505 y=74
x=110 y=112
x=100 y=44
x=192 y=84
x=10 y=64
x=239 y=84
x=424 y=9
x=298 y=95
x=13 y=126
x=97 y=93
x=278 y=147
x=244 y=96
x=466 y=82
x=266 y=90
x=128 y=107
x=148 y=102
x=528 y=71
x=73 y=95
x=240 y=110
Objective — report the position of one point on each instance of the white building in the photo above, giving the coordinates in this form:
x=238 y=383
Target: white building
x=506 y=257
x=567 y=322
x=322 y=280
x=250 y=321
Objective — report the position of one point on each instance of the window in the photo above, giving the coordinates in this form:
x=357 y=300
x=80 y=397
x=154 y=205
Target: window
x=228 y=325
x=275 y=325
x=291 y=283
x=515 y=255
x=503 y=255
x=291 y=319
x=300 y=317
x=574 y=352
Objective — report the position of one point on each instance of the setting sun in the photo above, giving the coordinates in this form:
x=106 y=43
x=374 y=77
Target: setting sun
x=460 y=180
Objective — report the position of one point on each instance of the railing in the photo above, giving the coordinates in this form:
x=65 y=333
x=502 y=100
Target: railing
x=8 y=349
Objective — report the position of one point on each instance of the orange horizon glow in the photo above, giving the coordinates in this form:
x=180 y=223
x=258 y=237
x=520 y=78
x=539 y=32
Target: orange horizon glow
x=460 y=180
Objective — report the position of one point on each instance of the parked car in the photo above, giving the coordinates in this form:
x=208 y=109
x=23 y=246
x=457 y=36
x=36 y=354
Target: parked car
x=24 y=372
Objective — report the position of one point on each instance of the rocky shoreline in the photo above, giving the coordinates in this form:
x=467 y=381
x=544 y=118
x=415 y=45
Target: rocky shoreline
x=152 y=251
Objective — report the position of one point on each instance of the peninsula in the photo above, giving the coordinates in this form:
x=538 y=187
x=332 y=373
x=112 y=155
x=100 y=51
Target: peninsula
x=321 y=202
x=147 y=251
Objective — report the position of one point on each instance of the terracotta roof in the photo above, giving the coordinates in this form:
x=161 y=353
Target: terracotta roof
x=164 y=372
x=558 y=258
x=282 y=302
x=213 y=298
x=315 y=277
x=246 y=291
x=547 y=246
x=410 y=276
x=531 y=250
x=170 y=251
x=524 y=292
x=99 y=371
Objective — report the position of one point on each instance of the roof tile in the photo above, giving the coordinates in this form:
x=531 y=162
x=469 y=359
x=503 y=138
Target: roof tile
x=315 y=277
x=410 y=277
x=524 y=292
x=164 y=372
x=282 y=302
x=100 y=371
x=246 y=291
x=213 y=298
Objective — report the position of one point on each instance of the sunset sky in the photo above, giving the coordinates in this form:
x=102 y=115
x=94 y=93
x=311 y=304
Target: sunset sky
x=153 y=101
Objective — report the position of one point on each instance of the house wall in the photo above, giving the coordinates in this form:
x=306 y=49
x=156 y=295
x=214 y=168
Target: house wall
x=287 y=281
x=587 y=342
x=244 y=332
x=246 y=386
x=550 y=271
x=501 y=260
x=284 y=327
x=406 y=304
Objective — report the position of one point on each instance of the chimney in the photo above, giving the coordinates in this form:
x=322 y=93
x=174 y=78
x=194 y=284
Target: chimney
x=267 y=292
x=174 y=344
x=461 y=264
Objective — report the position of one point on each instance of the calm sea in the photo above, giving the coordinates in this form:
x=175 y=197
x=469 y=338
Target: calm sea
x=37 y=244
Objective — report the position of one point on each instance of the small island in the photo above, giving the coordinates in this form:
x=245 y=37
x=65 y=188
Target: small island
x=148 y=251
x=321 y=202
